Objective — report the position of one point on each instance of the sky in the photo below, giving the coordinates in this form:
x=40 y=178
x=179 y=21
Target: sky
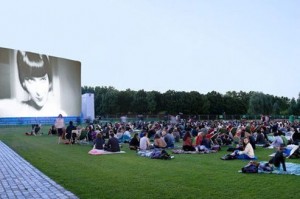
x=160 y=45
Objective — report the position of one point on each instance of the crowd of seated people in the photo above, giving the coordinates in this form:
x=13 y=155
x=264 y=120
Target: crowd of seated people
x=193 y=135
x=212 y=132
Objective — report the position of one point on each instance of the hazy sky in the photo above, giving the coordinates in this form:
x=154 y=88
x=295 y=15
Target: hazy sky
x=182 y=45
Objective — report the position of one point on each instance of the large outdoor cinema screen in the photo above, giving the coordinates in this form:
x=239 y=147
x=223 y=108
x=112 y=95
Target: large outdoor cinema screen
x=38 y=85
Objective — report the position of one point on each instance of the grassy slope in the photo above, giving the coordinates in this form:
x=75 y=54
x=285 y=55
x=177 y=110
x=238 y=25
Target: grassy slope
x=130 y=176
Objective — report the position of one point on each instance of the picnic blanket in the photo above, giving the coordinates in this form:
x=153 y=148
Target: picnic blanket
x=180 y=151
x=288 y=151
x=155 y=154
x=102 y=152
x=291 y=169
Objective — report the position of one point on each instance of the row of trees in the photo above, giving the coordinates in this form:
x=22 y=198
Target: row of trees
x=109 y=100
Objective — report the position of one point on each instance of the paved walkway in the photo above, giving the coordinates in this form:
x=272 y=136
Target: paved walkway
x=19 y=179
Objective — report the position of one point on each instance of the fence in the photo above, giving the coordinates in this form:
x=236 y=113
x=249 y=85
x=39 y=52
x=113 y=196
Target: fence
x=133 y=118
x=18 y=121
x=163 y=117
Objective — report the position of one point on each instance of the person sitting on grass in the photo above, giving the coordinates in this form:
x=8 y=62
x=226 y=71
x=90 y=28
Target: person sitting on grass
x=126 y=135
x=260 y=137
x=187 y=142
x=199 y=139
x=69 y=130
x=91 y=134
x=277 y=140
x=35 y=129
x=176 y=135
x=112 y=144
x=169 y=139
x=206 y=141
x=99 y=142
x=247 y=153
x=52 y=130
x=279 y=158
x=134 y=142
x=296 y=137
x=144 y=142
x=159 y=142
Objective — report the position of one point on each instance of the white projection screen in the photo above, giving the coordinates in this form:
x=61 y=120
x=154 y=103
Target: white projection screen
x=38 y=85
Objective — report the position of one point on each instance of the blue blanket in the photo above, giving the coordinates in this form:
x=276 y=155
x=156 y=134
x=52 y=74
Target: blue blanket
x=291 y=168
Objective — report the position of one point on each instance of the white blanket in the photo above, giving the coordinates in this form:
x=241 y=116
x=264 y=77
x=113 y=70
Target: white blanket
x=102 y=152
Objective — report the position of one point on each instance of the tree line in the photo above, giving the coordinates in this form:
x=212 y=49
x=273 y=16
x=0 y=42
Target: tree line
x=109 y=100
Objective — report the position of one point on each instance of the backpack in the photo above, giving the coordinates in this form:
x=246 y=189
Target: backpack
x=250 y=168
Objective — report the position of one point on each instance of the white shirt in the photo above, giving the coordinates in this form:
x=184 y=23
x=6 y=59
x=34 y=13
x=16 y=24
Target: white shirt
x=144 y=143
x=59 y=123
x=248 y=151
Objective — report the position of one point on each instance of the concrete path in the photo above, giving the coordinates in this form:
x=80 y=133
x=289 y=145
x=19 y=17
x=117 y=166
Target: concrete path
x=19 y=179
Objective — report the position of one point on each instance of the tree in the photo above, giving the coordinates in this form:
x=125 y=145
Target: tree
x=106 y=100
x=216 y=101
x=169 y=101
x=293 y=107
x=87 y=89
x=151 y=102
x=139 y=104
x=276 y=108
x=298 y=105
x=125 y=99
x=260 y=103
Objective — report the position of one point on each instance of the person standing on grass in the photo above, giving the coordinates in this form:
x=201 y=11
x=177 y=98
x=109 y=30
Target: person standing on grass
x=60 y=125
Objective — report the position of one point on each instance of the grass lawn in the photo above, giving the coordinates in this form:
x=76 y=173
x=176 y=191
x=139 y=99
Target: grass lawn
x=130 y=176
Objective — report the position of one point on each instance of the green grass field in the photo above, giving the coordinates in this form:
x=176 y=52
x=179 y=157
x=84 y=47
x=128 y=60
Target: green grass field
x=130 y=176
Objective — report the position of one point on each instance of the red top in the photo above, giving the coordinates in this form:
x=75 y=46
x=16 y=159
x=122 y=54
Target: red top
x=199 y=139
